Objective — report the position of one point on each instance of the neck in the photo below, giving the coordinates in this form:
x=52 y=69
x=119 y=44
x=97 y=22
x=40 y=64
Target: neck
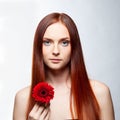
x=58 y=77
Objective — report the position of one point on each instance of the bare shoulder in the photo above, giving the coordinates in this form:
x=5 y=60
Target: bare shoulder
x=103 y=96
x=101 y=91
x=99 y=88
x=23 y=93
x=20 y=103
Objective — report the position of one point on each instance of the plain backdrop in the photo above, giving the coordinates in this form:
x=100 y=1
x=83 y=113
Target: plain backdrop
x=98 y=22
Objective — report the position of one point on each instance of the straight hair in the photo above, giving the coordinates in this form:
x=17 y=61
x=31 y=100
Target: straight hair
x=83 y=103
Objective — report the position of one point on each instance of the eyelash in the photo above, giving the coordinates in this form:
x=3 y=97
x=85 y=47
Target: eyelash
x=64 y=43
x=45 y=42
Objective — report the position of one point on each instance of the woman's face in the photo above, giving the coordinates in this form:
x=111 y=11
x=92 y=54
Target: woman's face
x=56 y=46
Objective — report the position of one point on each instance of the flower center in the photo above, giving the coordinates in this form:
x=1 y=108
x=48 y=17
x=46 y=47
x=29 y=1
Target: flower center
x=43 y=92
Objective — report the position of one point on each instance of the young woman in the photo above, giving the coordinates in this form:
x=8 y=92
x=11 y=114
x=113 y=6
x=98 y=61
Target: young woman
x=58 y=60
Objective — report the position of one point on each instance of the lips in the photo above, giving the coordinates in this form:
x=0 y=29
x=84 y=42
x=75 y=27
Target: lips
x=55 y=60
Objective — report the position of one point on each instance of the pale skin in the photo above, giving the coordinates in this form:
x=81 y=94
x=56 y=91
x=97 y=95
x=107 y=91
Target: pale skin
x=56 y=54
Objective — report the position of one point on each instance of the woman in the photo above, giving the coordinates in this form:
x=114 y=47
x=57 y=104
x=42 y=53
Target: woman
x=58 y=60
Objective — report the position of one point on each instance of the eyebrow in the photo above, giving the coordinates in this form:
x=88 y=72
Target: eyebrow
x=65 y=38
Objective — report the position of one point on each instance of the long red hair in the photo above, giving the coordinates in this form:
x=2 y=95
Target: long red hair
x=84 y=105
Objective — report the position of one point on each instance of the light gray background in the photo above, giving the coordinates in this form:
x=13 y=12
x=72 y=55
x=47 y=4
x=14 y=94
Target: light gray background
x=98 y=23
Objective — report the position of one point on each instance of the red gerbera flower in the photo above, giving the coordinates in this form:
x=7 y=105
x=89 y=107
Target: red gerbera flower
x=43 y=92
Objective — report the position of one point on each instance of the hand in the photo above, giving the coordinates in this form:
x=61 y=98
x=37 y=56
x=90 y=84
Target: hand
x=39 y=113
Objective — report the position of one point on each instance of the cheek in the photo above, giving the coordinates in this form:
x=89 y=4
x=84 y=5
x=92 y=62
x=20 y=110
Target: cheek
x=67 y=54
x=45 y=51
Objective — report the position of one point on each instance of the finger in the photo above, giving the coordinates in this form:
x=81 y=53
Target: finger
x=47 y=117
x=44 y=114
x=40 y=110
x=32 y=112
x=35 y=112
x=35 y=108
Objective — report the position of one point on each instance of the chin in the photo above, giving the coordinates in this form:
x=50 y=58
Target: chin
x=56 y=67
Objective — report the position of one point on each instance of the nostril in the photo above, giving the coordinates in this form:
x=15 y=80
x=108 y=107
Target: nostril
x=56 y=54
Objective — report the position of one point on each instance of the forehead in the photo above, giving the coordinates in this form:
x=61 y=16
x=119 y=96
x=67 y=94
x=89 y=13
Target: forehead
x=57 y=30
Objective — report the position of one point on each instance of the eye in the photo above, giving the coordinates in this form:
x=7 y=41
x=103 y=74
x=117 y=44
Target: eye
x=46 y=42
x=65 y=43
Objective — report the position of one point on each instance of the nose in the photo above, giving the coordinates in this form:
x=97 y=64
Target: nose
x=56 y=50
